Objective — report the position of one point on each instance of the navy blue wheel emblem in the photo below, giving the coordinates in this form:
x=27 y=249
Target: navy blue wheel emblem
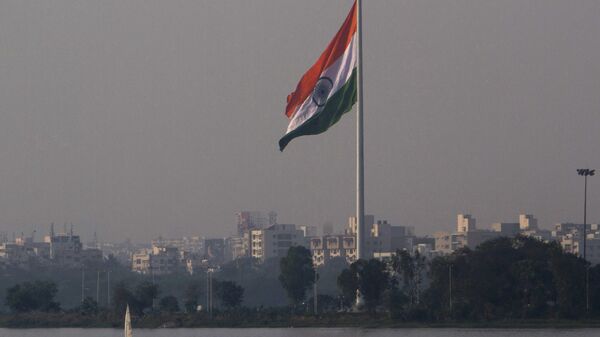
x=322 y=90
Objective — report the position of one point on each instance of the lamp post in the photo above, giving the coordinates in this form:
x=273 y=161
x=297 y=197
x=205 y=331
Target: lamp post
x=586 y=173
x=209 y=291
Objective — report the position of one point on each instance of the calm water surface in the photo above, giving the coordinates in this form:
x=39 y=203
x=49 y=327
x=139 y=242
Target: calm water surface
x=301 y=332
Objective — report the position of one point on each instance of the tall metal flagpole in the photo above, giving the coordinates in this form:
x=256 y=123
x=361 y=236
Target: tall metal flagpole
x=360 y=162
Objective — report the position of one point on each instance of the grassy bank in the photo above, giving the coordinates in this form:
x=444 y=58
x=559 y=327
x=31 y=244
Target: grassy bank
x=76 y=320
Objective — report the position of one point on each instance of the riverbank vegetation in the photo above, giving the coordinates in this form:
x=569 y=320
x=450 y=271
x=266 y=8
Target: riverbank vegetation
x=520 y=282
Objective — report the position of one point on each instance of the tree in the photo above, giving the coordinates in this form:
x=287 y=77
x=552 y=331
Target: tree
x=370 y=277
x=373 y=280
x=297 y=273
x=32 y=296
x=230 y=294
x=191 y=295
x=145 y=293
x=410 y=269
x=347 y=282
x=89 y=307
x=169 y=304
x=121 y=297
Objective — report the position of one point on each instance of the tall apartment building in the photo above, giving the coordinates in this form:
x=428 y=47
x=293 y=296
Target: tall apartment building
x=275 y=241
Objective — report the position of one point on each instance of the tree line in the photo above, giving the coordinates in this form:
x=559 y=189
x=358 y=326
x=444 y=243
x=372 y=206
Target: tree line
x=502 y=279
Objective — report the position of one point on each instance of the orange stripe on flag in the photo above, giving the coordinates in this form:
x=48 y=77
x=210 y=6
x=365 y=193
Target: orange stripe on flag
x=335 y=49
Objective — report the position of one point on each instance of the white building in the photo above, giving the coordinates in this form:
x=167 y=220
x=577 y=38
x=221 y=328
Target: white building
x=327 y=247
x=275 y=241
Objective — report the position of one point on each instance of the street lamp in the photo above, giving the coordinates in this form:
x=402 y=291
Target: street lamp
x=586 y=173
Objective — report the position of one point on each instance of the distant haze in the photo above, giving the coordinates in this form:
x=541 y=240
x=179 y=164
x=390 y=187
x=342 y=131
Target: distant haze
x=143 y=118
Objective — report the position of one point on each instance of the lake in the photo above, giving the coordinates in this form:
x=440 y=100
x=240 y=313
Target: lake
x=304 y=332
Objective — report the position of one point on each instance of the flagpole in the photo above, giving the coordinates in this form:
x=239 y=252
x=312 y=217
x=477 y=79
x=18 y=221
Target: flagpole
x=360 y=162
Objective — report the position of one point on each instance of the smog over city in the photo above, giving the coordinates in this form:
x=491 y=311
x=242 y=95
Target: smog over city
x=316 y=164
x=145 y=118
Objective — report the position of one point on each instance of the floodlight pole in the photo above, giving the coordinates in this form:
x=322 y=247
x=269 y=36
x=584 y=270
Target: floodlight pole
x=585 y=173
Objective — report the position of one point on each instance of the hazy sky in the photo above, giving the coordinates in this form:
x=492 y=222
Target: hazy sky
x=143 y=117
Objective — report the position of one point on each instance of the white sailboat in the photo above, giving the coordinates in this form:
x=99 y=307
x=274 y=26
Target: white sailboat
x=128 y=331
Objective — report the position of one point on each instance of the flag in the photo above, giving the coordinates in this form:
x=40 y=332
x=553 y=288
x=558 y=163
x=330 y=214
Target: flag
x=328 y=89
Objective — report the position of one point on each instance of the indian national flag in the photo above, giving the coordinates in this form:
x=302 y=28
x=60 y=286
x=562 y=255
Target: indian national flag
x=328 y=89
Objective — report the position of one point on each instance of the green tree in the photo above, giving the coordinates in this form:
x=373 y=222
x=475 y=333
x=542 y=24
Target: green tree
x=169 y=304
x=145 y=293
x=32 y=296
x=230 y=294
x=370 y=277
x=373 y=280
x=297 y=273
x=121 y=297
x=347 y=283
x=89 y=307
x=191 y=295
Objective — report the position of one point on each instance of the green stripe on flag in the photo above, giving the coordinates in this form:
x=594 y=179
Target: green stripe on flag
x=340 y=103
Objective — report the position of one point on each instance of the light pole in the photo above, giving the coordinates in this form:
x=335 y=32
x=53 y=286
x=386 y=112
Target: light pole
x=586 y=173
x=316 y=295
x=209 y=291
x=450 y=287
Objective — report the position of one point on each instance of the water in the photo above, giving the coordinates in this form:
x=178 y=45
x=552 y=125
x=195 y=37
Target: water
x=304 y=332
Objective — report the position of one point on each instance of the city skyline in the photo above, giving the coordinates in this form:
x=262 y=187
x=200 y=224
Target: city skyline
x=124 y=118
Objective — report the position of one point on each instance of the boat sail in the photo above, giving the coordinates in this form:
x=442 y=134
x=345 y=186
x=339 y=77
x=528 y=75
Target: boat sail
x=128 y=331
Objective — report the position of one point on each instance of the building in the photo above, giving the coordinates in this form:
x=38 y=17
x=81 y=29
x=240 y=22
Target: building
x=465 y=223
x=248 y=220
x=235 y=248
x=308 y=230
x=467 y=235
x=381 y=237
x=214 y=251
x=527 y=222
x=507 y=229
x=327 y=228
x=191 y=244
x=275 y=241
x=570 y=237
x=66 y=249
x=327 y=247
x=14 y=254
x=158 y=260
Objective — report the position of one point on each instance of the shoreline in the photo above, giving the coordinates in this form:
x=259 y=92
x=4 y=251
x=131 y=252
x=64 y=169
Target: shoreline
x=357 y=321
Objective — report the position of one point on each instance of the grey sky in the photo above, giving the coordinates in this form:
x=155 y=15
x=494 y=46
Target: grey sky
x=140 y=118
